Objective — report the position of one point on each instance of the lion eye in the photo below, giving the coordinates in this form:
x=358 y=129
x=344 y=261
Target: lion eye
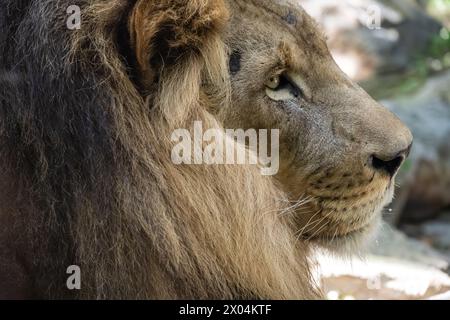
x=273 y=83
x=281 y=87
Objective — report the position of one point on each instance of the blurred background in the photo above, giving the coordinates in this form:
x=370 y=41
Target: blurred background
x=399 y=51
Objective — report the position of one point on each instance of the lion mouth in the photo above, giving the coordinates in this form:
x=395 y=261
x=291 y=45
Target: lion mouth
x=345 y=216
x=346 y=231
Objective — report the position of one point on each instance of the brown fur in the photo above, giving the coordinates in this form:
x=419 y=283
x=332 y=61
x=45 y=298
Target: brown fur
x=330 y=132
x=146 y=228
x=86 y=118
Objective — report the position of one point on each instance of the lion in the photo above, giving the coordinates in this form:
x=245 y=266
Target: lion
x=86 y=117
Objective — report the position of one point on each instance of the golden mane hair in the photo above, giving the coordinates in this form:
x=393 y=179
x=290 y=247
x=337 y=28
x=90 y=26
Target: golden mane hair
x=89 y=154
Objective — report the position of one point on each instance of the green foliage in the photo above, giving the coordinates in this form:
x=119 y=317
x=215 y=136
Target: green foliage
x=439 y=5
x=406 y=167
x=440 y=9
x=440 y=44
x=435 y=59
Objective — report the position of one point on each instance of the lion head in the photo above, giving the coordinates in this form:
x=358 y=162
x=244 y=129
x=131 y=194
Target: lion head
x=87 y=179
x=339 y=150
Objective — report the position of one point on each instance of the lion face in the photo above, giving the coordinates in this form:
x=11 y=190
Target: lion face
x=339 y=149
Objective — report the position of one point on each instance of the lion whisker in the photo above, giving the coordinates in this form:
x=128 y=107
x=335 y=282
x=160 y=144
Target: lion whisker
x=309 y=221
x=318 y=230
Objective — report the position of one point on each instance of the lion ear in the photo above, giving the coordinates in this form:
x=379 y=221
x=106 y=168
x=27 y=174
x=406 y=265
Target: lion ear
x=163 y=32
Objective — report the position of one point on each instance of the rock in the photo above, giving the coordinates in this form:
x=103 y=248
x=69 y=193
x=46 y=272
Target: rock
x=425 y=179
x=435 y=232
x=395 y=244
x=439 y=232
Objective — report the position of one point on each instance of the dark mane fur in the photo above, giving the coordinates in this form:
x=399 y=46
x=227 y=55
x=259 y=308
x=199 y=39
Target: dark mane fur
x=87 y=179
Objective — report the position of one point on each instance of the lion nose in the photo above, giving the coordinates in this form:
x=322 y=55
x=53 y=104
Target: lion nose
x=390 y=163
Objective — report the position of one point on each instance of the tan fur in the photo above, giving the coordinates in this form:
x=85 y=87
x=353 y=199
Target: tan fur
x=189 y=231
x=328 y=136
x=146 y=228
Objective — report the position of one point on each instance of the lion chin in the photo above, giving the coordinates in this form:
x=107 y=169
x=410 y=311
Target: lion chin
x=354 y=239
x=353 y=242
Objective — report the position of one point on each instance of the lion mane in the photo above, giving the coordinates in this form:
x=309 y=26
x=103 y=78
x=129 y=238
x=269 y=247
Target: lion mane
x=86 y=173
